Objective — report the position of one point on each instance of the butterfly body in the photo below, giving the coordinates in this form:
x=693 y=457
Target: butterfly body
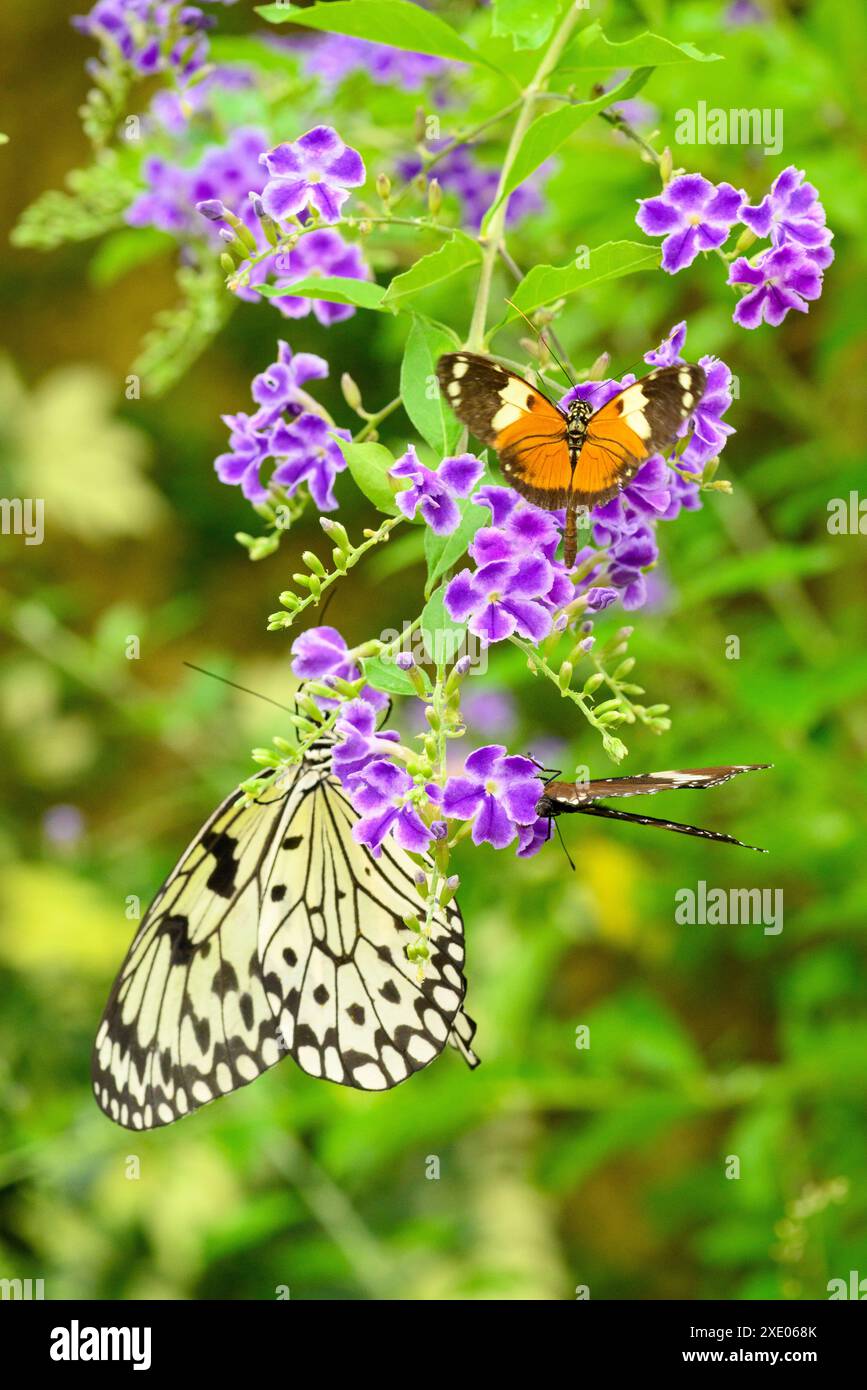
x=572 y=458
x=564 y=798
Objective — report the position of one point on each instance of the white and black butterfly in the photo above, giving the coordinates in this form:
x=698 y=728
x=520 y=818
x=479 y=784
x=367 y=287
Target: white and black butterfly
x=563 y=798
x=275 y=933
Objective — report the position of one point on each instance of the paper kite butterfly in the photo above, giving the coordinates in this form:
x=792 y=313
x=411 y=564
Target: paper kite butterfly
x=575 y=457
x=562 y=798
x=276 y=933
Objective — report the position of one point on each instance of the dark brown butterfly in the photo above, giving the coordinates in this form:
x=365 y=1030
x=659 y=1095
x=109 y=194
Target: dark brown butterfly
x=568 y=458
x=563 y=798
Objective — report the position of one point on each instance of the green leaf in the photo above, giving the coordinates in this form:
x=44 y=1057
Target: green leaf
x=384 y=675
x=96 y=202
x=551 y=130
x=125 y=250
x=337 y=289
x=592 y=50
x=369 y=465
x=422 y=399
x=397 y=23
x=545 y=283
x=527 y=22
x=450 y=259
x=442 y=637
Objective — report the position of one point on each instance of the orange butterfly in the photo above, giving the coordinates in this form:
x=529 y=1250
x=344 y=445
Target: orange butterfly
x=575 y=457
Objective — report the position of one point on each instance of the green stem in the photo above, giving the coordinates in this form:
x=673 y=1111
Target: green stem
x=494 y=236
x=287 y=242
x=610 y=743
x=374 y=420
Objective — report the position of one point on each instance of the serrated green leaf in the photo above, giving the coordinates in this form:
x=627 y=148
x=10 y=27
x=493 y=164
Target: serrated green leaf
x=442 y=637
x=369 y=465
x=591 y=50
x=551 y=130
x=422 y=399
x=545 y=283
x=397 y=23
x=336 y=289
x=455 y=255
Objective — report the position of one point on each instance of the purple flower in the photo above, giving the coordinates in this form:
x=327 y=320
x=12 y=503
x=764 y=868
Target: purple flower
x=532 y=837
x=502 y=598
x=316 y=171
x=383 y=795
x=277 y=388
x=783 y=278
x=498 y=793
x=323 y=252
x=433 y=491
x=248 y=450
x=358 y=741
x=321 y=654
x=670 y=349
x=306 y=452
x=693 y=215
x=334 y=56
x=790 y=212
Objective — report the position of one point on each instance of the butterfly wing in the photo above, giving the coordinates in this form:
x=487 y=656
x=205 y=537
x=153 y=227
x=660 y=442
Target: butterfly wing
x=571 y=795
x=276 y=932
x=641 y=420
x=562 y=797
x=527 y=430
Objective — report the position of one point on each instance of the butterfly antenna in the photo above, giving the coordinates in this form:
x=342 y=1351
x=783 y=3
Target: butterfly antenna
x=542 y=339
x=235 y=686
x=550 y=773
x=571 y=861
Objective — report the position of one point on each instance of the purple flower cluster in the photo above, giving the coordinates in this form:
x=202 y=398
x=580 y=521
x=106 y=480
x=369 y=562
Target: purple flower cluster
x=302 y=446
x=476 y=187
x=625 y=526
x=334 y=56
x=234 y=177
x=149 y=36
x=694 y=215
x=434 y=492
x=225 y=175
x=789 y=273
x=517 y=585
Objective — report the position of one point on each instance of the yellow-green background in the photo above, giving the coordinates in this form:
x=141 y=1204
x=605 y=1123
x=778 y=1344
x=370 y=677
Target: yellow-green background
x=558 y=1167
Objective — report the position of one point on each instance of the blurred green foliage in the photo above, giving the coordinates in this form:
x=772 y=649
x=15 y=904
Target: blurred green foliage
x=559 y=1167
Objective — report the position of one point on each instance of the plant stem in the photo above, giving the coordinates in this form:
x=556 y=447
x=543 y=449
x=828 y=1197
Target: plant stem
x=374 y=420
x=494 y=235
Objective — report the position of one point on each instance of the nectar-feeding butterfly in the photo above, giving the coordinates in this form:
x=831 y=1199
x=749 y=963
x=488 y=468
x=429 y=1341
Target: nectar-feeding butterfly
x=573 y=457
x=563 y=798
